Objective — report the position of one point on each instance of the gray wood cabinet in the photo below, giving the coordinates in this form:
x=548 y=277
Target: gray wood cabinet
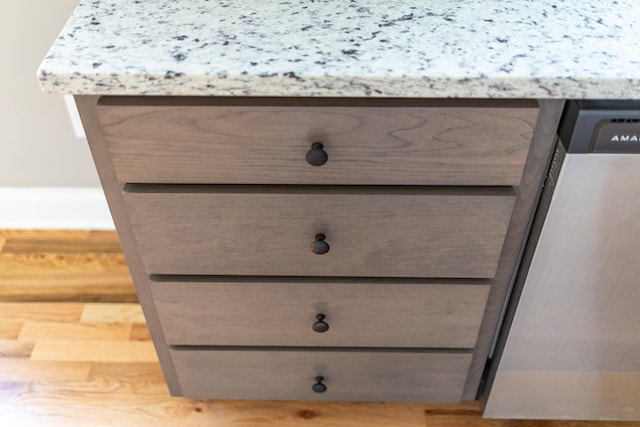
x=217 y=207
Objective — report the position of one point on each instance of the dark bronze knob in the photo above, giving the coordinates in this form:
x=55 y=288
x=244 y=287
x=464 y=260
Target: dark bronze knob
x=317 y=156
x=320 y=326
x=319 y=246
x=318 y=387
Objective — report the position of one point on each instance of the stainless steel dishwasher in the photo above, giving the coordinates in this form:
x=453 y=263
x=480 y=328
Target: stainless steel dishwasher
x=570 y=341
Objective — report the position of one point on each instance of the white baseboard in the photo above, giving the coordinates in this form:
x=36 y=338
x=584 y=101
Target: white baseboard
x=54 y=208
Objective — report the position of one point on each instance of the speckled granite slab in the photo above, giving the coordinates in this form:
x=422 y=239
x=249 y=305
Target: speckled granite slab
x=382 y=48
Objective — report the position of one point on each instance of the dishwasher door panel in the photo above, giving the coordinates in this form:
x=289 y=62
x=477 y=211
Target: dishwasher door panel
x=573 y=348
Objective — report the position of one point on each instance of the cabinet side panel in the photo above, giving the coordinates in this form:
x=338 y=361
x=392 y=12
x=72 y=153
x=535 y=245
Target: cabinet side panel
x=113 y=192
x=526 y=197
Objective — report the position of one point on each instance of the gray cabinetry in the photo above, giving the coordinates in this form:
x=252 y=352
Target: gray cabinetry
x=218 y=206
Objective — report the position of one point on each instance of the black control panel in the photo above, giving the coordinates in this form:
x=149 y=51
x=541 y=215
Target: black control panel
x=617 y=136
x=601 y=127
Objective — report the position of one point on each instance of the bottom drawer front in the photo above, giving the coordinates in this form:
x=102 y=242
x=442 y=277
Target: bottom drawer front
x=379 y=375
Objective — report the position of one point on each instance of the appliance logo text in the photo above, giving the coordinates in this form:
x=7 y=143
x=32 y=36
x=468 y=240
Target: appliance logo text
x=625 y=138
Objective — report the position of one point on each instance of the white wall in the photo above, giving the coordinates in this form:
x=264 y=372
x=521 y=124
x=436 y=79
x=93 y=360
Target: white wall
x=47 y=176
x=37 y=145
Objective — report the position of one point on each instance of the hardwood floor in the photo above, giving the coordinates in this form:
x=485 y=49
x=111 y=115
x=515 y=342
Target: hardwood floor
x=75 y=351
x=63 y=266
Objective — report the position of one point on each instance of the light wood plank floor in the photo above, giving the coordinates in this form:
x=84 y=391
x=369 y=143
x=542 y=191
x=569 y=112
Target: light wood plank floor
x=75 y=351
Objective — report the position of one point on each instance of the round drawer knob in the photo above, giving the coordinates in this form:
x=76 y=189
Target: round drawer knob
x=317 y=156
x=318 y=387
x=319 y=246
x=320 y=326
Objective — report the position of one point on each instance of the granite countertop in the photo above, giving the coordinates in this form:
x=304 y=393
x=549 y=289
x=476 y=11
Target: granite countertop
x=380 y=48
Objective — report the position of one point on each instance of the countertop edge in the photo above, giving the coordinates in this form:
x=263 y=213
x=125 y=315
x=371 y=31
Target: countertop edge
x=280 y=85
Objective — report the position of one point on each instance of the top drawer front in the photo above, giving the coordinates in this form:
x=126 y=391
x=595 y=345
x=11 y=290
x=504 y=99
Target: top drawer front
x=365 y=145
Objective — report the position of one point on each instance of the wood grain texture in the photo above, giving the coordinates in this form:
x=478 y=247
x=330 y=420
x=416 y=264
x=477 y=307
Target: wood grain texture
x=114 y=312
x=436 y=145
x=139 y=332
x=62 y=246
x=49 y=265
x=73 y=235
x=94 y=351
x=131 y=373
x=10 y=329
x=406 y=139
x=15 y=348
x=360 y=313
x=39 y=311
x=388 y=234
x=32 y=330
x=28 y=370
x=126 y=394
x=348 y=375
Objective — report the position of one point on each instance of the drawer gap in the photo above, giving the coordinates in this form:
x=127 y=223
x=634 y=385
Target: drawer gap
x=222 y=101
x=171 y=278
x=324 y=189
x=402 y=350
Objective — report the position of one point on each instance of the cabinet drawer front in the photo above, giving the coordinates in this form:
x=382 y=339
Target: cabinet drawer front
x=358 y=313
x=365 y=145
x=348 y=375
x=380 y=234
